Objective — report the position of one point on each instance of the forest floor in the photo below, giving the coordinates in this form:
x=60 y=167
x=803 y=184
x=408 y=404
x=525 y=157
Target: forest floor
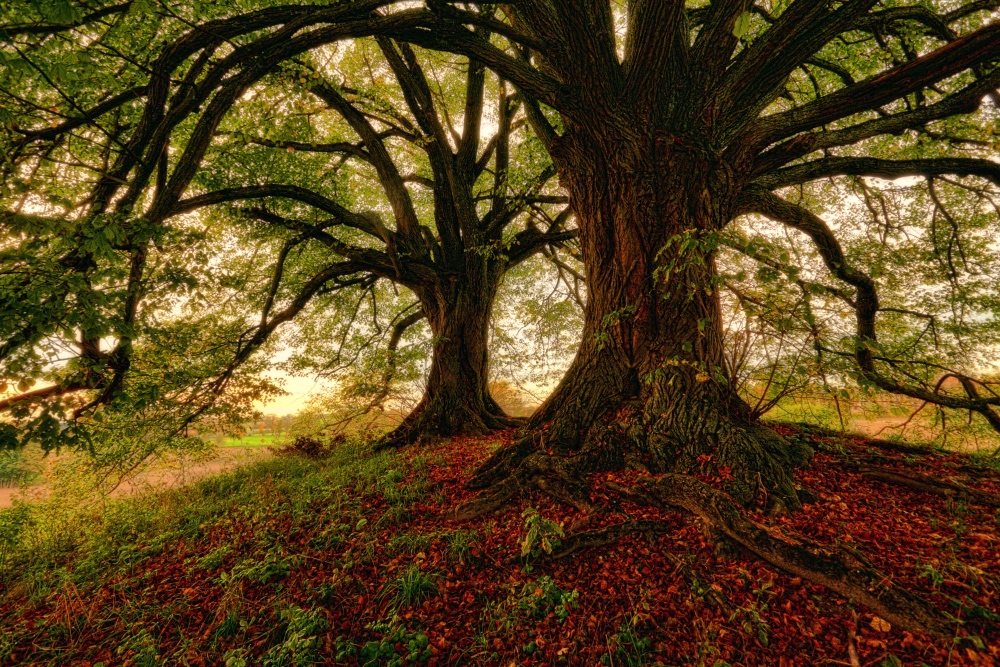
x=356 y=559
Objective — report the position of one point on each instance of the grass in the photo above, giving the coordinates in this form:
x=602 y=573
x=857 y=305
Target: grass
x=242 y=530
x=889 y=418
x=257 y=566
x=259 y=440
x=460 y=544
x=412 y=587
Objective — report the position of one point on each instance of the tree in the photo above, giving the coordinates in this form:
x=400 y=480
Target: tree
x=691 y=119
x=667 y=123
x=453 y=265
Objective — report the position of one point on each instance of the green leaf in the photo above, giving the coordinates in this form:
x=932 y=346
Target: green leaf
x=19 y=66
x=742 y=25
x=141 y=7
x=62 y=12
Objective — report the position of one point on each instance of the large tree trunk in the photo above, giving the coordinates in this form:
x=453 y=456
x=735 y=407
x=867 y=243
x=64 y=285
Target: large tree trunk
x=648 y=387
x=457 y=399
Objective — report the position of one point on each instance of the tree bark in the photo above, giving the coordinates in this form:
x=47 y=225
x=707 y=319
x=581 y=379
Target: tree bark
x=457 y=399
x=649 y=387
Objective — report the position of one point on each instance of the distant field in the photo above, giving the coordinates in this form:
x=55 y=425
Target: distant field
x=255 y=441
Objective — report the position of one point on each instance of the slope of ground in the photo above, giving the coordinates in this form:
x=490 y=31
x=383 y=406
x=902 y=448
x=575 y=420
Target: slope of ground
x=355 y=559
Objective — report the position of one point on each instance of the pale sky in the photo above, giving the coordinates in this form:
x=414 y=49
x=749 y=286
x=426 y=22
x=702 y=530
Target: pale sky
x=300 y=391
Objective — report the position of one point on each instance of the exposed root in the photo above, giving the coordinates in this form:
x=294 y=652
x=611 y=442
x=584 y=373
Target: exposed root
x=845 y=571
x=552 y=474
x=919 y=482
x=924 y=451
x=834 y=568
x=506 y=459
x=635 y=494
x=431 y=420
x=755 y=460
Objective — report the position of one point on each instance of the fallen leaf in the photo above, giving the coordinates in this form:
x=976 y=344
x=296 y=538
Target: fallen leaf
x=880 y=624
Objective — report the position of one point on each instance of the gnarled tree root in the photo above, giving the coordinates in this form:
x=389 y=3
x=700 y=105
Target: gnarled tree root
x=938 y=487
x=713 y=596
x=842 y=570
x=554 y=475
x=425 y=422
x=834 y=568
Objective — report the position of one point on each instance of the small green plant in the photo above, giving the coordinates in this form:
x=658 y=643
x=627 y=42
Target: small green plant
x=541 y=535
x=301 y=643
x=235 y=657
x=627 y=647
x=230 y=625
x=540 y=598
x=460 y=543
x=214 y=559
x=393 y=515
x=264 y=571
x=327 y=590
x=931 y=573
x=142 y=647
x=330 y=537
x=499 y=616
x=397 y=646
x=751 y=614
x=410 y=542
x=412 y=587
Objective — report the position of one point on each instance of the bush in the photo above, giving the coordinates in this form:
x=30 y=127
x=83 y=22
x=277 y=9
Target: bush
x=311 y=448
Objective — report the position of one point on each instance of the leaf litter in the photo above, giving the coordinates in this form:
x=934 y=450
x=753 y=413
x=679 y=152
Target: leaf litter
x=379 y=572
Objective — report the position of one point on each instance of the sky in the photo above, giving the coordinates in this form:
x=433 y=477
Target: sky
x=300 y=391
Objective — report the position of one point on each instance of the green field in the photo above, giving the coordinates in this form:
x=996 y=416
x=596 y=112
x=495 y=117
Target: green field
x=255 y=441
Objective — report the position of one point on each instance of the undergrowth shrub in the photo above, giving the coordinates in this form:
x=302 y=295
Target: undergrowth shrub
x=543 y=596
x=412 y=587
x=397 y=646
x=541 y=536
x=311 y=448
x=300 y=644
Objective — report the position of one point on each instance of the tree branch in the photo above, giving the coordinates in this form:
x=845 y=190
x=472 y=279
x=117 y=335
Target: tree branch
x=866 y=307
x=976 y=48
x=293 y=192
x=392 y=182
x=966 y=100
x=26 y=29
x=888 y=169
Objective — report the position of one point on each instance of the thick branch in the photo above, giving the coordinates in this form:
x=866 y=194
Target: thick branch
x=888 y=169
x=294 y=192
x=966 y=100
x=979 y=47
x=52 y=29
x=43 y=393
x=389 y=176
x=758 y=75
